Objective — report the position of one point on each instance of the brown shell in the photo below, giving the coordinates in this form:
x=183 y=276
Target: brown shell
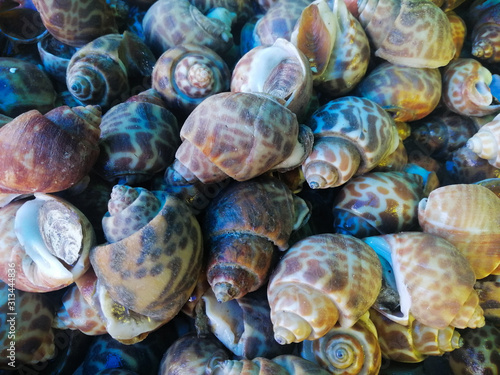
x=48 y=153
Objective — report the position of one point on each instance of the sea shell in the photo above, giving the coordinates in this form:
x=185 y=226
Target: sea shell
x=320 y=280
x=468 y=216
x=486 y=142
x=485 y=35
x=351 y=136
x=51 y=152
x=458 y=30
x=21 y=25
x=466 y=167
x=55 y=57
x=488 y=290
x=412 y=263
x=47 y=239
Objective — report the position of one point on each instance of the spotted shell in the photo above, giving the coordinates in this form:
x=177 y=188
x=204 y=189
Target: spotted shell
x=281 y=365
x=351 y=136
x=412 y=263
x=485 y=34
x=387 y=85
x=162 y=255
x=466 y=88
x=468 y=216
x=319 y=282
x=458 y=30
x=488 y=290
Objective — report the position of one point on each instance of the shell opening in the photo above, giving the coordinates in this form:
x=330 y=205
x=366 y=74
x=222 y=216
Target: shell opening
x=290 y=327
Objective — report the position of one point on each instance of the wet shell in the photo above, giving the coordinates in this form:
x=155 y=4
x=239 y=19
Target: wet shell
x=468 y=216
x=322 y=279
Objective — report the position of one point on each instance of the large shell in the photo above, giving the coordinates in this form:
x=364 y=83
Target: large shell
x=243 y=227
x=187 y=74
x=48 y=153
x=154 y=269
x=486 y=142
x=48 y=239
x=247 y=135
x=322 y=279
x=138 y=139
x=407 y=32
x=466 y=88
x=352 y=135
x=468 y=216
x=387 y=85
x=432 y=279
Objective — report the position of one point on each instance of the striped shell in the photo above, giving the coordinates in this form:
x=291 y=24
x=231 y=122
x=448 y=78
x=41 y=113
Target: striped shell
x=486 y=142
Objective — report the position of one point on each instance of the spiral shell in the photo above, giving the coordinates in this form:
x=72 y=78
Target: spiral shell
x=138 y=139
x=352 y=135
x=410 y=33
x=351 y=351
x=77 y=23
x=485 y=35
x=99 y=72
x=486 y=142
x=414 y=342
x=387 y=85
x=162 y=254
x=280 y=70
x=468 y=216
x=466 y=167
x=48 y=153
x=466 y=88
x=187 y=74
x=412 y=263
x=322 y=279
x=216 y=146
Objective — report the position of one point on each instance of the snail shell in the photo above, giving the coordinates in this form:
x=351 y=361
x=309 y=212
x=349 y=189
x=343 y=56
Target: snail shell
x=168 y=23
x=139 y=138
x=187 y=74
x=485 y=34
x=414 y=342
x=55 y=57
x=216 y=146
x=488 y=290
x=351 y=136
x=349 y=351
x=48 y=153
x=468 y=216
x=162 y=254
x=458 y=30
x=412 y=263
x=280 y=70
x=49 y=241
x=409 y=33
x=335 y=44
x=466 y=167
x=287 y=364
x=320 y=280
x=243 y=225
x=387 y=85
x=99 y=72
x=466 y=88
x=78 y=23
x=486 y=142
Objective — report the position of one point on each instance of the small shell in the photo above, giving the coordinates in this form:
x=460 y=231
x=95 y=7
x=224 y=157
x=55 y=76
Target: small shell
x=468 y=216
x=322 y=279
x=187 y=74
x=485 y=35
x=486 y=142
x=413 y=262
x=55 y=57
x=387 y=85
x=466 y=167
x=466 y=88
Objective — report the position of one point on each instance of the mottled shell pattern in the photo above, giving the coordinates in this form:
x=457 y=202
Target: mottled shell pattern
x=486 y=142
x=188 y=73
x=280 y=70
x=351 y=136
x=335 y=44
x=168 y=23
x=488 y=290
x=387 y=85
x=414 y=342
x=287 y=364
x=408 y=32
x=58 y=149
x=243 y=226
x=31 y=325
x=350 y=351
x=99 y=72
x=466 y=88
x=468 y=216
x=162 y=256
x=139 y=138
x=413 y=262
x=485 y=18
x=216 y=146
x=378 y=203
x=466 y=167
x=49 y=241
x=458 y=31
x=320 y=280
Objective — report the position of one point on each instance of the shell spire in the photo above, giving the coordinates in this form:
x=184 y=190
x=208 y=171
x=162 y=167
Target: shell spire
x=486 y=142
